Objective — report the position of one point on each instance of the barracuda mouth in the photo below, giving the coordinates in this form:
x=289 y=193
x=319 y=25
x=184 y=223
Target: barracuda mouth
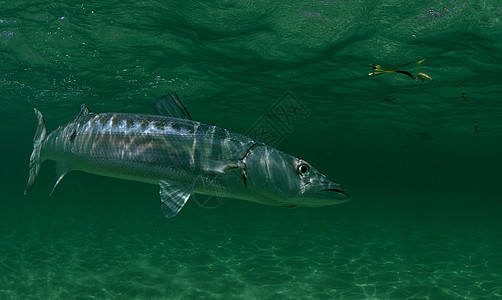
x=322 y=193
x=339 y=191
x=324 y=197
x=326 y=187
x=333 y=192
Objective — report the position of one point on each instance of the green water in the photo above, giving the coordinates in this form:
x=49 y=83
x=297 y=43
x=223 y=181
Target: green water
x=420 y=159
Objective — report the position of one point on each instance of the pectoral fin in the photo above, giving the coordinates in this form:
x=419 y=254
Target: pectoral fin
x=173 y=197
x=218 y=166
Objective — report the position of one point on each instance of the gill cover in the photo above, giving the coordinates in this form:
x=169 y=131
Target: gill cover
x=271 y=175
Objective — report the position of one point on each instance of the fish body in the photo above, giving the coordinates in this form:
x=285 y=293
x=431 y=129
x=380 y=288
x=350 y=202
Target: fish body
x=182 y=156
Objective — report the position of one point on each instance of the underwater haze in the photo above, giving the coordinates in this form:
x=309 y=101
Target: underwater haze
x=417 y=144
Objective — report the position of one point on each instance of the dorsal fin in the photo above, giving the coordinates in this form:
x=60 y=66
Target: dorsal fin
x=170 y=105
x=84 y=111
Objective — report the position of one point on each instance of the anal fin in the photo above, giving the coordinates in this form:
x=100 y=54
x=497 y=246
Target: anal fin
x=173 y=197
x=61 y=171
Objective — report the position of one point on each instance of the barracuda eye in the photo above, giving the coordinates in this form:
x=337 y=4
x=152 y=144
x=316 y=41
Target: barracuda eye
x=303 y=169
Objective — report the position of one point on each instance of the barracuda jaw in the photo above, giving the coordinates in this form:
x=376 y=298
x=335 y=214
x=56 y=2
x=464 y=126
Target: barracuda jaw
x=321 y=192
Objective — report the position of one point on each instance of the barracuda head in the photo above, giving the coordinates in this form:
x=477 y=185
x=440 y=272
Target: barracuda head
x=280 y=179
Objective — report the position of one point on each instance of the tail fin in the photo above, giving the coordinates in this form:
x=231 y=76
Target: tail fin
x=35 y=155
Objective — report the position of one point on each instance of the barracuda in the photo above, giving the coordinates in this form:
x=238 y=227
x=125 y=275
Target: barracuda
x=182 y=156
